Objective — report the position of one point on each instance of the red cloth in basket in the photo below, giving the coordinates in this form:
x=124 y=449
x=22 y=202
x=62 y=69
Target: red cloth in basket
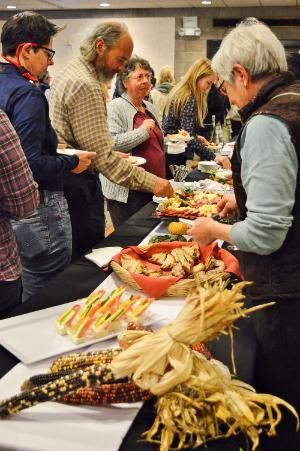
x=157 y=286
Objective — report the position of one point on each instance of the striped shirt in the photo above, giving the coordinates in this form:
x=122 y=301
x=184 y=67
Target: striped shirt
x=78 y=114
x=19 y=196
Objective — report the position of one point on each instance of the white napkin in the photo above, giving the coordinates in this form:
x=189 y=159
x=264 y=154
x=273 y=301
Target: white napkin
x=102 y=256
x=157 y=199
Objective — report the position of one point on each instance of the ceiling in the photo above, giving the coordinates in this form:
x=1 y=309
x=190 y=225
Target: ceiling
x=129 y=4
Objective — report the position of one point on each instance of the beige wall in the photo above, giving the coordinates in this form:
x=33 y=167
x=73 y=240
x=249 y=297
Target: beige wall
x=153 y=39
x=188 y=49
x=155 y=31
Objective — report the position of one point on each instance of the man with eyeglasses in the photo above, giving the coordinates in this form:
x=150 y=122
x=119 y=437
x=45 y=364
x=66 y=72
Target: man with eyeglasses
x=45 y=238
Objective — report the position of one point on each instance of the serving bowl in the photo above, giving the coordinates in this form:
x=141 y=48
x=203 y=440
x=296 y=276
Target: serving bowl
x=206 y=166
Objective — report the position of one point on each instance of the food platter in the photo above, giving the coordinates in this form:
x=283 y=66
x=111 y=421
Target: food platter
x=32 y=337
x=172 y=268
x=190 y=204
x=181 y=137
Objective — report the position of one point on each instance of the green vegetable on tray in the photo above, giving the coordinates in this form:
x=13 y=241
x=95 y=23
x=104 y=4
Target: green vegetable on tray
x=188 y=190
x=168 y=238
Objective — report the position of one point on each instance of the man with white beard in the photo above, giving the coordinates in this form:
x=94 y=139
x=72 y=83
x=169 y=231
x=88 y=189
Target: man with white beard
x=78 y=114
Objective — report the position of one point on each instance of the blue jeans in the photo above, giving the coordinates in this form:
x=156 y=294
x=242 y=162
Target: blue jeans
x=45 y=241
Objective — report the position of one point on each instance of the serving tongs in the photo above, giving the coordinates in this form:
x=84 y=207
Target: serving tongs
x=229 y=219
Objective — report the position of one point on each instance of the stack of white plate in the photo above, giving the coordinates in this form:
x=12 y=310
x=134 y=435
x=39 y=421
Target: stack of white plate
x=176 y=147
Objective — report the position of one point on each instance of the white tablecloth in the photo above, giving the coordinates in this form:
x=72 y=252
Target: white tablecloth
x=52 y=426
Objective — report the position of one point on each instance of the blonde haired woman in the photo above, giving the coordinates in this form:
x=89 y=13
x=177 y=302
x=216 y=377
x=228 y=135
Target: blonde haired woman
x=165 y=84
x=186 y=107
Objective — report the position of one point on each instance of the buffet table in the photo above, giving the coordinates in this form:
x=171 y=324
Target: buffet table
x=77 y=281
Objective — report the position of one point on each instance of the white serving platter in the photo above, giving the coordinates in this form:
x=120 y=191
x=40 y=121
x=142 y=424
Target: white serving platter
x=32 y=337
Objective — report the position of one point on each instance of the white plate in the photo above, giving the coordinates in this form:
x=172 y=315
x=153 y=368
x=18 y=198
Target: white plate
x=184 y=139
x=138 y=161
x=70 y=151
x=224 y=174
x=176 y=147
x=208 y=165
x=32 y=337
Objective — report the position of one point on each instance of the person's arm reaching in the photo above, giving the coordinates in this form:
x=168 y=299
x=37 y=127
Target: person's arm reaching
x=89 y=126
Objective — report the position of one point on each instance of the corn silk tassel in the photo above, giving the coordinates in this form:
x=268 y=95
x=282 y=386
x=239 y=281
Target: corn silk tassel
x=197 y=398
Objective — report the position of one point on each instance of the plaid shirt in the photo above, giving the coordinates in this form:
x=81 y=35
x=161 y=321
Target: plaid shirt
x=18 y=196
x=78 y=114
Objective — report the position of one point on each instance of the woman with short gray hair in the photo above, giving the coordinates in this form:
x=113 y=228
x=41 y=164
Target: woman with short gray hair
x=252 y=68
x=253 y=46
x=135 y=129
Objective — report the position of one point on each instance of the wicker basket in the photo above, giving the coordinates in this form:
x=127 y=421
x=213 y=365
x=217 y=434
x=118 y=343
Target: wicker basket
x=179 y=289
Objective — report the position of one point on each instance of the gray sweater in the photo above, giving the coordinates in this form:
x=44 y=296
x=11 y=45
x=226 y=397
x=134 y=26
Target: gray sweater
x=120 y=116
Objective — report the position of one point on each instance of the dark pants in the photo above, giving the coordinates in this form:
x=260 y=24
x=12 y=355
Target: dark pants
x=86 y=207
x=10 y=296
x=277 y=331
x=120 y=212
x=267 y=350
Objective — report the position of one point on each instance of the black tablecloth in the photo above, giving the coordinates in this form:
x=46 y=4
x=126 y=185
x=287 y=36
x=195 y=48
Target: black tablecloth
x=77 y=281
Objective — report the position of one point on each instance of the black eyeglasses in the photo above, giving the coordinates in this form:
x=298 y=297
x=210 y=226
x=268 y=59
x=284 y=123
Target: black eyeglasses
x=50 y=52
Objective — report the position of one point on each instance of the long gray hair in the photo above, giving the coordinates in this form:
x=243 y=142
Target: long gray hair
x=109 y=32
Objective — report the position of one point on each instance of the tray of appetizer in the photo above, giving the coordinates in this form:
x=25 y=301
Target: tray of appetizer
x=190 y=204
x=65 y=328
x=101 y=314
x=173 y=268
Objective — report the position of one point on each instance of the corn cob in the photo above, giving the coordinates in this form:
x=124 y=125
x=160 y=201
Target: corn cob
x=55 y=390
x=108 y=394
x=76 y=361
x=200 y=347
x=41 y=379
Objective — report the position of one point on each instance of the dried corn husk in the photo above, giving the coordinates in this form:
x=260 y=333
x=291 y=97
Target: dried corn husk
x=198 y=399
x=209 y=402
x=160 y=361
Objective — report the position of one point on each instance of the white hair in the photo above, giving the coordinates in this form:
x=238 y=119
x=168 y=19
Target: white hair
x=254 y=46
